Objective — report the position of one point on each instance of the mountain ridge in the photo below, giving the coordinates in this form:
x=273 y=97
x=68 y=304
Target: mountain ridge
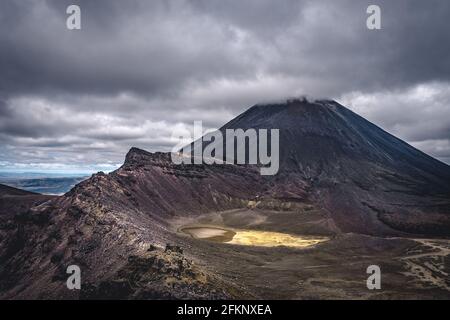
x=11 y=191
x=364 y=175
x=119 y=223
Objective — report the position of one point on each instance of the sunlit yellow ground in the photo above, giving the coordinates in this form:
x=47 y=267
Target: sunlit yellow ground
x=251 y=237
x=273 y=239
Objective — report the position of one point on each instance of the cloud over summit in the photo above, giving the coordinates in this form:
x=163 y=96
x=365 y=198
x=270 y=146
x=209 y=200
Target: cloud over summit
x=138 y=68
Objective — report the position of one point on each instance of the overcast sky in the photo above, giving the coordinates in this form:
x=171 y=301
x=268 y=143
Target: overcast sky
x=137 y=70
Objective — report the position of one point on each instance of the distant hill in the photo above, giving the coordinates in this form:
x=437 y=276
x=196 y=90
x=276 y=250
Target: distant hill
x=44 y=185
x=10 y=191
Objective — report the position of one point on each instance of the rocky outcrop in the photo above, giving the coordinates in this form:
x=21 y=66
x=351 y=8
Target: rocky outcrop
x=159 y=274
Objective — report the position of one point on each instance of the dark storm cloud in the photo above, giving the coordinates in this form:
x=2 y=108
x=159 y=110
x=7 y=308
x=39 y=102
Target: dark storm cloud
x=134 y=46
x=157 y=47
x=139 y=68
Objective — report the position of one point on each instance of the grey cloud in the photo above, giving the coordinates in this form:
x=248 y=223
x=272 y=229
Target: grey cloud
x=139 y=68
x=158 y=47
x=145 y=50
x=415 y=114
x=419 y=114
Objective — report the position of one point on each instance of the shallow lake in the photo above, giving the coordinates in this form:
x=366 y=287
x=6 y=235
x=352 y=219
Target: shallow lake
x=251 y=237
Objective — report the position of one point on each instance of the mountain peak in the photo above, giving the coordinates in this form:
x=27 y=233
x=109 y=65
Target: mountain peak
x=290 y=111
x=136 y=151
x=318 y=136
x=297 y=101
x=136 y=156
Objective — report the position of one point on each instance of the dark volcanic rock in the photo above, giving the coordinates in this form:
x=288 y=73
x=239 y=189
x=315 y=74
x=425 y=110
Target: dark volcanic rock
x=368 y=180
x=159 y=275
x=359 y=177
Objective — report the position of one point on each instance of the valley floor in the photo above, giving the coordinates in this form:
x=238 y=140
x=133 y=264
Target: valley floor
x=411 y=268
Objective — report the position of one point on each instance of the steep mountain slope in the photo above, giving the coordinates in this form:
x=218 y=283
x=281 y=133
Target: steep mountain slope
x=117 y=224
x=15 y=201
x=14 y=205
x=369 y=180
x=320 y=136
x=334 y=166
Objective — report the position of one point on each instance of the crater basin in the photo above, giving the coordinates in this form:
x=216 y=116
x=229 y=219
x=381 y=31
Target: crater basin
x=251 y=237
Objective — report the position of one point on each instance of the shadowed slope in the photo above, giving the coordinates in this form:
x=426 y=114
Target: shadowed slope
x=10 y=191
x=368 y=180
x=355 y=176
